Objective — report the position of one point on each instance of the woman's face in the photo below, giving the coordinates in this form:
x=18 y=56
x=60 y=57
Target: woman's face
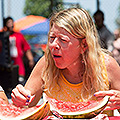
x=65 y=49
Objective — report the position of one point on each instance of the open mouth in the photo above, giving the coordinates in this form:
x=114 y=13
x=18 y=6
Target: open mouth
x=56 y=56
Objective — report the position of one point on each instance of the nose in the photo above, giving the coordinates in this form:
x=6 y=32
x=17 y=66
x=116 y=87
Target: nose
x=55 y=43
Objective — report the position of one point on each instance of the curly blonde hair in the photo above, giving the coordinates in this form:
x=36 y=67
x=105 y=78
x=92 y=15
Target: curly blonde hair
x=78 y=23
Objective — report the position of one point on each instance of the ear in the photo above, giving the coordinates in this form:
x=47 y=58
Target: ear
x=84 y=45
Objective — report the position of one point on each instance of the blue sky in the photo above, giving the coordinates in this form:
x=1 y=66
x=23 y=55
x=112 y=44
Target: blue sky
x=14 y=8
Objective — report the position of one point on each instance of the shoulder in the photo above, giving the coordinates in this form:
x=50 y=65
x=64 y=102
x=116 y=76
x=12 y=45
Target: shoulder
x=113 y=71
x=110 y=62
x=42 y=60
x=40 y=64
x=18 y=34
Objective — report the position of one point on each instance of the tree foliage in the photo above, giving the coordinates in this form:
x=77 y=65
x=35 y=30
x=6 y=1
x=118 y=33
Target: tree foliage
x=40 y=7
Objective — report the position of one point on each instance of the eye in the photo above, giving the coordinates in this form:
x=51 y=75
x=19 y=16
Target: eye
x=52 y=38
x=63 y=40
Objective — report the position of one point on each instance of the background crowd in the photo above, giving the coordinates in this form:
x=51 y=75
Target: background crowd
x=108 y=40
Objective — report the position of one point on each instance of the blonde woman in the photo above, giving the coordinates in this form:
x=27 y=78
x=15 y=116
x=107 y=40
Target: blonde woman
x=74 y=67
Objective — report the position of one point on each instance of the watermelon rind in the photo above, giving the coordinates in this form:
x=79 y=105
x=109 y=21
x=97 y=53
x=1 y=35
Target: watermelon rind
x=38 y=113
x=88 y=113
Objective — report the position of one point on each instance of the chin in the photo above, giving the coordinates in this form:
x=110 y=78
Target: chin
x=60 y=66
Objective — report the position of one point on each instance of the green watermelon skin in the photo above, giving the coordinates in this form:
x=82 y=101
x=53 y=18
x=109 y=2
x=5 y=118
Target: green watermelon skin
x=83 y=113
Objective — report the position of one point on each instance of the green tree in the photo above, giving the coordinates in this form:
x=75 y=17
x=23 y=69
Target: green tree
x=41 y=7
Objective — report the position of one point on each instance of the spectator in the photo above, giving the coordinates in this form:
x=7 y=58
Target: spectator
x=18 y=46
x=117 y=33
x=106 y=37
x=116 y=45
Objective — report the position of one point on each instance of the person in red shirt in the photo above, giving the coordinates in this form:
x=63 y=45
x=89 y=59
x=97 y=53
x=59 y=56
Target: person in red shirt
x=18 y=47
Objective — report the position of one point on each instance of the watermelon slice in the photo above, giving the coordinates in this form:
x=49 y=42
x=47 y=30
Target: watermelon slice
x=11 y=112
x=87 y=109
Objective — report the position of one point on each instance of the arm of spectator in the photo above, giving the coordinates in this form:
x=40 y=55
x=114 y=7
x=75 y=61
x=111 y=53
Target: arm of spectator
x=110 y=45
x=30 y=58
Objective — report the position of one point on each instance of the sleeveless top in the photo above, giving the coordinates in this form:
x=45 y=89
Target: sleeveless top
x=65 y=91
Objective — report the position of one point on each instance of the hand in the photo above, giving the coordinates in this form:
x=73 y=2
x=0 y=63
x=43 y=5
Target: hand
x=114 y=100
x=20 y=96
x=31 y=63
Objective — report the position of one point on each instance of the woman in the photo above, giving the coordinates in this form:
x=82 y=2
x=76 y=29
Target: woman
x=74 y=67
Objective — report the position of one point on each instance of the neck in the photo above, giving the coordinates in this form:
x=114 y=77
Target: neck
x=74 y=74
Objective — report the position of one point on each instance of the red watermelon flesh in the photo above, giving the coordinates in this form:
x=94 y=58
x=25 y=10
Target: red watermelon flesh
x=87 y=109
x=10 y=111
x=70 y=106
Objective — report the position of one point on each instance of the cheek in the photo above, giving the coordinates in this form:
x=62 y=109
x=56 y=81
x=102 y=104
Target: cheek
x=63 y=45
x=70 y=54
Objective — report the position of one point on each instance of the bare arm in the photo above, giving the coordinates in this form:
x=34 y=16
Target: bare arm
x=113 y=71
x=33 y=87
x=35 y=82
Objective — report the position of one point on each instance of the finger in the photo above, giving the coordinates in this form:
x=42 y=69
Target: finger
x=16 y=96
x=113 y=103
x=108 y=108
x=112 y=106
x=23 y=91
x=100 y=97
x=114 y=98
x=104 y=93
x=18 y=102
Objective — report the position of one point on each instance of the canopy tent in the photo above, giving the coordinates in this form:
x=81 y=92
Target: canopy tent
x=40 y=39
x=32 y=25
